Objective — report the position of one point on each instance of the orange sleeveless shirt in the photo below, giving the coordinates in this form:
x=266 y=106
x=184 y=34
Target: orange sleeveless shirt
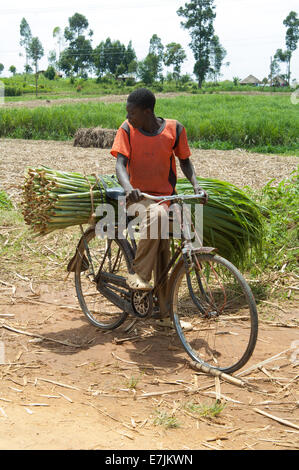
x=151 y=157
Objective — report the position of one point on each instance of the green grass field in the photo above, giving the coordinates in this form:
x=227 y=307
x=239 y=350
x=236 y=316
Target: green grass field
x=68 y=87
x=268 y=124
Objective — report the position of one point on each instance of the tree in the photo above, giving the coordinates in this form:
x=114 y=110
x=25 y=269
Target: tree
x=156 y=49
x=130 y=59
x=28 y=69
x=292 y=37
x=115 y=54
x=120 y=70
x=77 y=57
x=274 y=70
x=133 y=66
x=148 y=69
x=113 y=57
x=199 y=16
x=99 y=59
x=174 y=55
x=50 y=73
x=77 y=25
x=282 y=57
x=217 y=55
x=57 y=33
x=26 y=38
x=36 y=52
x=12 y=69
x=265 y=81
x=52 y=59
x=1 y=68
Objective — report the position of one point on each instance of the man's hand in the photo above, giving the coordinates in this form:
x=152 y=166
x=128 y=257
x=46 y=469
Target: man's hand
x=134 y=195
x=198 y=190
x=189 y=172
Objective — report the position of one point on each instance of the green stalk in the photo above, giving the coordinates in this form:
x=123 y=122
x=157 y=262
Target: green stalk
x=55 y=200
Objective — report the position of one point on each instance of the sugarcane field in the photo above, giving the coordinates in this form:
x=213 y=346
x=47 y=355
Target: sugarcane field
x=67 y=384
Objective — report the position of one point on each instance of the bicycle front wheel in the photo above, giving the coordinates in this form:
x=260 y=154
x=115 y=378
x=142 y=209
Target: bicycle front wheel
x=215 y=301
x=100 y=284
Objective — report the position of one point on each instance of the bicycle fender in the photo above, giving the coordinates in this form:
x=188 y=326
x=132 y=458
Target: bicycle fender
x=173 y=275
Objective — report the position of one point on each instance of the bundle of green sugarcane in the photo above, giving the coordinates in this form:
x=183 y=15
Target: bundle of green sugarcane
x=232 y=222
x=53 y=200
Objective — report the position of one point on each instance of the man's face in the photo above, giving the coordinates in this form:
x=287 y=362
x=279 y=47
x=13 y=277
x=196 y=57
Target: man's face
x=136 y=116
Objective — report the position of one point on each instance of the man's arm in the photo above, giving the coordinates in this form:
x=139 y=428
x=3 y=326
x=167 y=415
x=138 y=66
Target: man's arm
x=188 y=170
x=134 y=195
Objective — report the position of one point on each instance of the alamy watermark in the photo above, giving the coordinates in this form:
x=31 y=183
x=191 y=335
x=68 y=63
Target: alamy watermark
x=2 y=352
x=151 y=221
x=295 y=354
x=2 y=92
x=295 y=94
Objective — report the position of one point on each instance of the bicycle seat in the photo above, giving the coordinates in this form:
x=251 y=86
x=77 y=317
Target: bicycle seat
x=115 y=193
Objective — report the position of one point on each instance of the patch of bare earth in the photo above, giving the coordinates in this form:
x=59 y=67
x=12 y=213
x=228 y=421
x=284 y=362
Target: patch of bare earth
x=237 y=166
x=94 y=99
x=67 y=385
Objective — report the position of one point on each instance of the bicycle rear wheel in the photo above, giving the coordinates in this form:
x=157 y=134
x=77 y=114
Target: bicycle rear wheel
x=105 y=260
x=214 y=297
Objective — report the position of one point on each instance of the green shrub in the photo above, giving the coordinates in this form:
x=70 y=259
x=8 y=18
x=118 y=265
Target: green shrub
x=5 y=202
x=50 y=73
x=281 y=233
x=12 y=91
x=130 y=82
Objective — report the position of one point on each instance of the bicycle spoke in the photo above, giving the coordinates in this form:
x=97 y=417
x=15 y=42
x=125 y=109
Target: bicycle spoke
x=223 y=332
x=93 y=287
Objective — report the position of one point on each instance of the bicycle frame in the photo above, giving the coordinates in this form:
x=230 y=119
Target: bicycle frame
x=185 y=250
x=196 y=270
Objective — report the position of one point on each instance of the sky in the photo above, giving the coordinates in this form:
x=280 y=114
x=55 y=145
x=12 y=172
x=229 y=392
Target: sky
x=250 y=30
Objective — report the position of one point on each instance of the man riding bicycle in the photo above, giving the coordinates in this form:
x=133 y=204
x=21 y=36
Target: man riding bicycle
x=145 y=147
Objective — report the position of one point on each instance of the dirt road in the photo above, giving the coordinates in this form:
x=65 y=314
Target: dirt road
x=75 y=387
x=95 y=99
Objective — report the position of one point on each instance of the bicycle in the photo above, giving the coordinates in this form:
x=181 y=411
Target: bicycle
x=203 y=289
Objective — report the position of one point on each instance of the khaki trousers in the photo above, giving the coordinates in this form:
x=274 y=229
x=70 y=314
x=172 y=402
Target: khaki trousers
x=153 y=248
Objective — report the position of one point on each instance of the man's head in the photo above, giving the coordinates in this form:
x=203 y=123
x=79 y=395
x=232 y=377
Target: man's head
x=140 y=106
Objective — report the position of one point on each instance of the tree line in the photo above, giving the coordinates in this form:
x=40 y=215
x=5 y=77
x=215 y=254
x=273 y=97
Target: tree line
x=75 y=55
x=79 y=58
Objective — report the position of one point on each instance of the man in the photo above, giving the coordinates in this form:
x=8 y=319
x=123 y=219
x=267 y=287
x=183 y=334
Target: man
x=145 y=147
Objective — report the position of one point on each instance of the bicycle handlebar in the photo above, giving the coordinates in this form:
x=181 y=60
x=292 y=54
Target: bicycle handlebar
x=175 y=196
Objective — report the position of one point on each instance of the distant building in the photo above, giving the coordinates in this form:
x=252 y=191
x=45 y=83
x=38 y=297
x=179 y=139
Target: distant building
x=279 y=81
x=251 y=80
x=125 y=77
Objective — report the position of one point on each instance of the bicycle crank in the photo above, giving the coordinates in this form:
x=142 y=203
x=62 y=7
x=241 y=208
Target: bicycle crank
x=142 y=303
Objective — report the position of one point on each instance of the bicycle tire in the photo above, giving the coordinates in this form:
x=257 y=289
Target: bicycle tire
x=221 y=339
x=97 y=308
